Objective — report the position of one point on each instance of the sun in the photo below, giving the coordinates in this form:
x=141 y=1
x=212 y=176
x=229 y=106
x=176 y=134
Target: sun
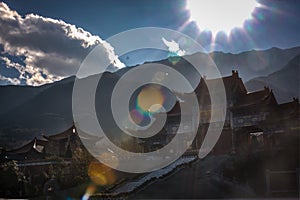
x=220 y=15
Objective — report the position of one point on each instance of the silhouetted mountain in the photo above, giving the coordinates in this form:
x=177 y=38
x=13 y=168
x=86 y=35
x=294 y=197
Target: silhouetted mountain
x=250 y=64
x=12 y=96
x=254 y=63
x=47 y=107
x=26 y=111
x=285 y=82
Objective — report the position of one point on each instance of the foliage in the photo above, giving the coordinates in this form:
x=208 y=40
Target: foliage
x=11 y=177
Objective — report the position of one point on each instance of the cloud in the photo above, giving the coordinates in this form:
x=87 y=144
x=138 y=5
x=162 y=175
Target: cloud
x=173 y=47
x=10 y=81
x=52 y=49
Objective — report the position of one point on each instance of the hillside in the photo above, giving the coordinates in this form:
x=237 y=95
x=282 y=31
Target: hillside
x=284 y=82
x=26 y=111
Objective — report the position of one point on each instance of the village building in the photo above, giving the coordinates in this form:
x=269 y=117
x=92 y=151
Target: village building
x=254 y=121
x=63 y=143
x=60 y=145
x=33 y=150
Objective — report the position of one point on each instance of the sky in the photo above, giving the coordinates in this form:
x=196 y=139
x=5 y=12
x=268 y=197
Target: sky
x=45 y=41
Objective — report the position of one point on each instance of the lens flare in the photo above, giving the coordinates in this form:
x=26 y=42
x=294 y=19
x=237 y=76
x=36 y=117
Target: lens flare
x=89 y=191
x=110 y=156
x=124 y=98
x=101 y=174
x=136 y=116
x=173 y=58
x=150 y=99
x=160 y=76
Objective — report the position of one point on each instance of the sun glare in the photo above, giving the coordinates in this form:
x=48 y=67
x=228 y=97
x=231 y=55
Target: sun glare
x=220 y=15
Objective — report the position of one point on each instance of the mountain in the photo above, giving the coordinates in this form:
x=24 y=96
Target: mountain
x=27 y=111
x=250 y=64
x=285 y=82
x=254 y=63
x=12 y=96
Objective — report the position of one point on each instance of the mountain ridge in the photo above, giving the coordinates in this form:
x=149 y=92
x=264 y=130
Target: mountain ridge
x=48 y=108
x=284 y=82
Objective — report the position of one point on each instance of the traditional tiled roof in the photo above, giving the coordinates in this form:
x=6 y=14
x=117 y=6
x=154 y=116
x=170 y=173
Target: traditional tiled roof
x=41 y=141
x=266 y=95
x=63 y=135
x=25 y=148
x=34 y=145
x=289 y=108
x=234 y=88
x=232 y=84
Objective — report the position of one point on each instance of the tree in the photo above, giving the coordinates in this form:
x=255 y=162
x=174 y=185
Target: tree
x=11 y=178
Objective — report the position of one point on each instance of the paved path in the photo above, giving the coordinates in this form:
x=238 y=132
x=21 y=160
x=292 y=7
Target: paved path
x=132 y=185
